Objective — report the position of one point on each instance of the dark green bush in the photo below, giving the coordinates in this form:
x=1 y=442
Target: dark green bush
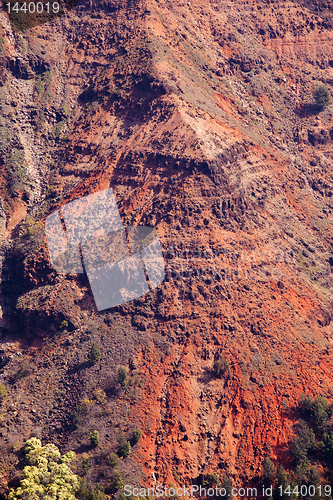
x=314 y=476
x=88 y=491
x=121 y=438
x=269 y=472
x=121 y=376
x=85 y=465
x=95 y=354
x=117 y=481
x=126 y=450
x=320 y=413
x=137 y=435
x=305 y=405
x=211 y=480
x=317 y=410
x=94 y=438
x=221 y=366
x=322 y=96
x=306 y=450
x=327 y=445
x=124 y=446
x=78 y=415
x=304 y=442
x=302 y=472
x=282 y=479
x=113 y=460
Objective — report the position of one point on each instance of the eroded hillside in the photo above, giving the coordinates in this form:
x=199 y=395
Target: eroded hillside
x=201 y=119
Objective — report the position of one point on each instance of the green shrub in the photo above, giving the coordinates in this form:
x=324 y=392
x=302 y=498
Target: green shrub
x=113 y=460
x=226 y=483
x=305 y=405
x=78 y=415
x=211 y=480
x=121 y=376
x=126 y=450
x=269 y=472
x=304 y=442
x=124 y=446
x=94 y=438
x=314 y=476
x=320 y=413
x=221 y=366
x=117 y=481
x=63 y=325
x=87 y=491
x=85 y=465
x=327 y=445
x=317 y=410
x=121 y=438
x=137 y=435
x=322 y=96
x=302 y=472
x=282 y=479
x=304 y=447
x=3 y=392
x=48 y=474
x=95 y=354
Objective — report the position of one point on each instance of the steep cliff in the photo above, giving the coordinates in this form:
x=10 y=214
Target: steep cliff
x=201 y=119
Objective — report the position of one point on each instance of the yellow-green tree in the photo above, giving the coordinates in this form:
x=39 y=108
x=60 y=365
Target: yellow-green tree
x=48 y=475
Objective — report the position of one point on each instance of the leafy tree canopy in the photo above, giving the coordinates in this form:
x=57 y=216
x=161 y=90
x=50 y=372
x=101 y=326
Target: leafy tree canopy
x=48 y=476
x=304 y=442
x=95 y=354
x=322 y=96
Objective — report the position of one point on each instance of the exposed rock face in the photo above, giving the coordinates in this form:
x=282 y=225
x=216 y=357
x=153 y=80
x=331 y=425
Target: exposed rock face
x=200 y=117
